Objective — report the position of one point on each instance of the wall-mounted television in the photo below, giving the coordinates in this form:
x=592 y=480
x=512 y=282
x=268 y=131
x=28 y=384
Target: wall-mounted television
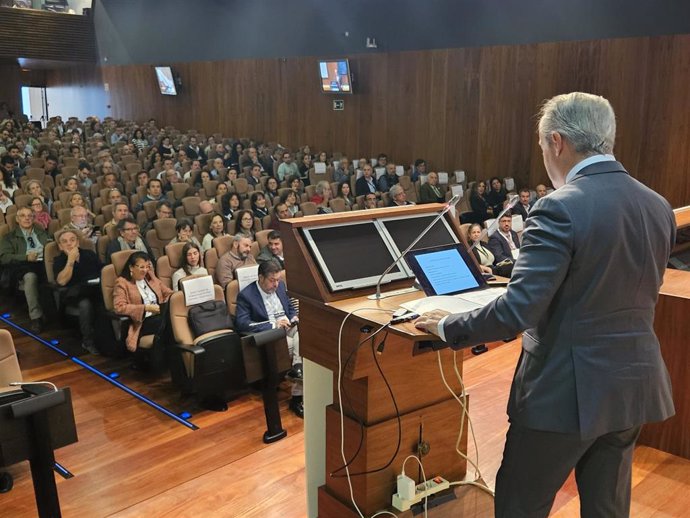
x=335 y=76
x=166 y=80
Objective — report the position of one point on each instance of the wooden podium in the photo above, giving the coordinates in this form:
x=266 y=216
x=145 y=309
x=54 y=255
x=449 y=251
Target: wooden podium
x=428 y=417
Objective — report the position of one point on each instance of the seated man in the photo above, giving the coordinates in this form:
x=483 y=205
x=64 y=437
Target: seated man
x=389 y=179
x=343 y=172
x=79 y=222
x=163 y=210
x=279 y=212
x=365 y=184
x=265 y=305
x=254 y=178
x=397 y=197
x=154 y=192
x=129 y=239
x=238 y=256
x=21 y=253
x=120 y=212
x=73 y=268
x=287 y=168
x=370 y=201
x=504 y=243
x=84 y=176
x=418 y=169
x=273 y=251
x=541 y=192
x=523 y=206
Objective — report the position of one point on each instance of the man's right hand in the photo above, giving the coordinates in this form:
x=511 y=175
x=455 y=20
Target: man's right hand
x=283 y=323
x=32 y=257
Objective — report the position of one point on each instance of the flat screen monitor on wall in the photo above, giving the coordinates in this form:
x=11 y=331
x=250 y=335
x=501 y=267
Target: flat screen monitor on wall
x=352 y=255
x=166 y=81
x=335 y=76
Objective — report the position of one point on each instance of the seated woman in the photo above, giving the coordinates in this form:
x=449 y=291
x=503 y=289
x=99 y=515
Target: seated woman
x=496 y=196
x=77 y=200
x=41 y=216
x=139 y=295
x=323 y=195
x=271 y=189
x=230 y=205
x=258 y=203
x=480 y=206
x=216 y=229
x=244 y=224
x=5 y=201
x=483 y=255
x=296 y=185
x=7 y=183
x=191 y=265
x=289 y=198
x=201 y=179
x=430 y=191
x=71 y=184
x=304 y=167
x=35 y=189
x=345 y=194
x=184 y=229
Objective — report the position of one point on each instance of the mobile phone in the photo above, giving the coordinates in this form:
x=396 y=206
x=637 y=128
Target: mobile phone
x=294 y=323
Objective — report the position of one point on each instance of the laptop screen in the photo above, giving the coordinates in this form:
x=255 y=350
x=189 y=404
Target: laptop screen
x=445 y=270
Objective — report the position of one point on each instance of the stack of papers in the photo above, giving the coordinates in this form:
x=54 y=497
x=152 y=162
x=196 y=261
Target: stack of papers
x=461 y=303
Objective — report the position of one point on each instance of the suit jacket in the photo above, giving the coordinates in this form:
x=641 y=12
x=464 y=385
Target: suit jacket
x=362 y=187
x=520 y=209
x=427 y=194
x=584 y=289
x=127 y=301
x=251 y=316
x=500 y=247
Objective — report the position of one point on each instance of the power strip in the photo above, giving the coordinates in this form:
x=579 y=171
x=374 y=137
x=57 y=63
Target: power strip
x=422 y=490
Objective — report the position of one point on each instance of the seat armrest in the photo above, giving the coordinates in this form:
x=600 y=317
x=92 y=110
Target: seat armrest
x=194 y=349
x=264 y=337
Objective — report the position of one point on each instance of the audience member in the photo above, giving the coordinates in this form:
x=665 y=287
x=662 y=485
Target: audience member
x=73 y=268
x=343 y=172
x=79 y=223
x=322 y=196
x=370 y=201
x=430 y=191
x=296 y=184
x=185 y=229
x=389 y=179
x=215 y=229
x=191 y=264
x=7 y=183
x=304 y=167
x=273 y=250
x=484 y=256
x=418 y=169
x=258 y=204
x=21 y=253
x=205 y=207
x=279 y=212
x=154 y=192
x=166 y=149
x=265 y=305
x=244 y=224
x=141 y=296
x=504 y=243
x=480 y=206
x=5 y=201
x=50 y=166
x=398 y=197
x=287 y=168
x=163 y=210
x=496 y=196
x=230 y=205
x=239 y=255
x=41 y=216
x=120 y=211
x=254 y=178
x=271 y=191
x=366 y=184
x=523 y=206
x=128 y=239
x=541 y=192
x=345 y=194
x=194 y=151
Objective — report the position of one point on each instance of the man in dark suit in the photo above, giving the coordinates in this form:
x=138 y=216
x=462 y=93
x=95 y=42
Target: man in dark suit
x=523 y=206
x=265 y=305
x=504 y=243
x=583 y=290
x=366 y=184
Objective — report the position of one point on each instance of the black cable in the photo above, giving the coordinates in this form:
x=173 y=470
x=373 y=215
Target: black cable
x=397 y=415
x=349 y=402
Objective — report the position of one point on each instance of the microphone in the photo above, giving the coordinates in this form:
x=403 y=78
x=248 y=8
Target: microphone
x=455 y=199
x=511 y=204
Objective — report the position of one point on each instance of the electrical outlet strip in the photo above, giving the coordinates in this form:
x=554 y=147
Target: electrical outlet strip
x=432 y=486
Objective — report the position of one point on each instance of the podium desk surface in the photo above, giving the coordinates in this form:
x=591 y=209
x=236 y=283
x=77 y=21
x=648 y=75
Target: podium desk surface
x=676 y=284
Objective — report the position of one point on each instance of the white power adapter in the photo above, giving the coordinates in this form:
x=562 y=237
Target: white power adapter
x=406 y=488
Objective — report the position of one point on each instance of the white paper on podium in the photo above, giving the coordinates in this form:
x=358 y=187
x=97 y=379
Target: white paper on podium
x=399 y=170
x=246 y=275
x=198 y=290
x=380 y=171
x=456 y=190
x=455 y=303
x=443 y=177
x=459 y=176
x=319 y=167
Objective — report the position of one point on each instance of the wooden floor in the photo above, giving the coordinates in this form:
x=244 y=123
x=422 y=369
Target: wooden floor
x=133 y=461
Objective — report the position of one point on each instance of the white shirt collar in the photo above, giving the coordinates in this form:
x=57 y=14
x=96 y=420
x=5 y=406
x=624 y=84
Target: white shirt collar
x=584 y=163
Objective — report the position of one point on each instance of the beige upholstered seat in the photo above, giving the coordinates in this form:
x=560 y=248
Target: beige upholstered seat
x=9 y=366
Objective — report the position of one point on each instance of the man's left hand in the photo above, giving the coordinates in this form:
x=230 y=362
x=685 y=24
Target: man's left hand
x=429 y=321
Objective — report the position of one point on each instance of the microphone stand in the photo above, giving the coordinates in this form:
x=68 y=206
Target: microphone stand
x=455 y=199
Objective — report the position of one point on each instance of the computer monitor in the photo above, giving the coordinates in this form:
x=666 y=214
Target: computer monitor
x=352 y=255
x=335 y=76
x=166 y=81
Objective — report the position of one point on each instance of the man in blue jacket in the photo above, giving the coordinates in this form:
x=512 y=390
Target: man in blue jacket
x=265 y=305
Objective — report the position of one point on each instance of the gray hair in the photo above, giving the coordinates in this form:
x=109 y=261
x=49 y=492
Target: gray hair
x=239 y=237
x=321 y=186
x=395 y=190
x=587 y=121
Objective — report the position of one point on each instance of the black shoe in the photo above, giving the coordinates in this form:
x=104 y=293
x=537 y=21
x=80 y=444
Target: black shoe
x=295 y=373
x=6 y=482
x=89 y=347
x=214 y=403
x=479 y=349
x=297 y=406
x=36 y=325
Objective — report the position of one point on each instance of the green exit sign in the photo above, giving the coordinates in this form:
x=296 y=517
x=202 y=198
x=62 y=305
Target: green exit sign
x=338 y=105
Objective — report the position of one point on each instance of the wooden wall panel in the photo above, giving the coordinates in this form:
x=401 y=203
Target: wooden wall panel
x=471 y=108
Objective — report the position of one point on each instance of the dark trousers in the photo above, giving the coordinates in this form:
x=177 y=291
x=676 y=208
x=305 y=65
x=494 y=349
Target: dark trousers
x=536 y=464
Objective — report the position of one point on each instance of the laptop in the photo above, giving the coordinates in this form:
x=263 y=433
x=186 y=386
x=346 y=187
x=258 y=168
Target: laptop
x=450 y=279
